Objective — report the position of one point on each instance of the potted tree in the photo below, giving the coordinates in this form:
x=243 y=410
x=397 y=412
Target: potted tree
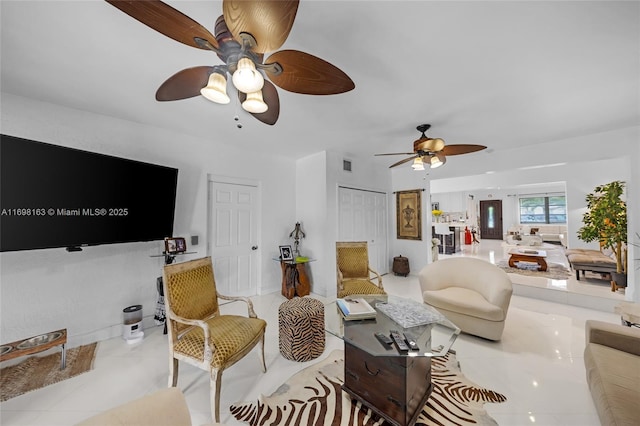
x=606 y=222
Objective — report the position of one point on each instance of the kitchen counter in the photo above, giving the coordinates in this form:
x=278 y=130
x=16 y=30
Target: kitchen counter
x=450 y=244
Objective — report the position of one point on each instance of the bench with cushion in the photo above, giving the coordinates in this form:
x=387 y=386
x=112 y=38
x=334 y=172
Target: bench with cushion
x=590 y=260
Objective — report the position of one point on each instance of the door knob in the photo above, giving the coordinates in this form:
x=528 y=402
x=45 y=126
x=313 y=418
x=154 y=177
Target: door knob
x=254 y=247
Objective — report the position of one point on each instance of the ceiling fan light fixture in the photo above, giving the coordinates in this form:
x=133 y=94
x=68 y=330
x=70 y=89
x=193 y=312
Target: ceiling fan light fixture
x=247 y=78
x=216 y=89
x=254 y=103
x=436 y=161
x=418 y=164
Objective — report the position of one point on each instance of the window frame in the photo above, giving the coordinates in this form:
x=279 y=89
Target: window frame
x=545 y=206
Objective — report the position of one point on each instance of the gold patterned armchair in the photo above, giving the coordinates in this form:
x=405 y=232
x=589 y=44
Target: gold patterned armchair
x=352 y=259
x=198 y=333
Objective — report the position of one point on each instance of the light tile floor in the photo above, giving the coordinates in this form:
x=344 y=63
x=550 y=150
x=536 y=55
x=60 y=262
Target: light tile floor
x=590 y=291
x=538 y=365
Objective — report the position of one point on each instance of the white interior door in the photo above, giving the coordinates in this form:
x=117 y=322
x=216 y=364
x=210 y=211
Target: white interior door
x=362 y=216
x=233 y=214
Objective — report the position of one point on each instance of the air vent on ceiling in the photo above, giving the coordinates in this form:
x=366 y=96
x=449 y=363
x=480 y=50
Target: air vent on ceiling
x=346 y=165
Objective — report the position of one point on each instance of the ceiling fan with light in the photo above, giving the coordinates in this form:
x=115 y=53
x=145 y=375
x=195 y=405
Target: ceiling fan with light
x=432 y=151
x=243 y=34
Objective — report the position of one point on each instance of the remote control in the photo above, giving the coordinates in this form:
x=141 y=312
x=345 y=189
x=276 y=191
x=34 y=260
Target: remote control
x=399 y=341
x=411 y=341
x=385 y=340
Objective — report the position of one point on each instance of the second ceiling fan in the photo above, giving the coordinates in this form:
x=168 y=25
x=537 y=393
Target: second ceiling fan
x=432 y=151
x=243 y=34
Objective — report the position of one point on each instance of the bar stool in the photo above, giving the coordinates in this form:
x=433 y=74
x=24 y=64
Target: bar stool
x=443 y=230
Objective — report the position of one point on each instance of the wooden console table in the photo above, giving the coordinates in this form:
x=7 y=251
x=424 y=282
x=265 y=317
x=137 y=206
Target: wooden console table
x=34 y=345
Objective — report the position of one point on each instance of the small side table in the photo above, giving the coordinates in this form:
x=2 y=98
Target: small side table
x=295 y=281
x=629 y=313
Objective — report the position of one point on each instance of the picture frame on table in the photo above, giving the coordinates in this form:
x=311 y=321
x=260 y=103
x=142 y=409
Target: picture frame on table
x=175 y=245
x=286 y=253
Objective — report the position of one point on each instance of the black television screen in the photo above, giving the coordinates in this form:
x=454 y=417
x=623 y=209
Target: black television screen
x=53 y=196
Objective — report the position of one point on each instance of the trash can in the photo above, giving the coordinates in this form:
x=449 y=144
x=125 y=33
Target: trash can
x=132 y=324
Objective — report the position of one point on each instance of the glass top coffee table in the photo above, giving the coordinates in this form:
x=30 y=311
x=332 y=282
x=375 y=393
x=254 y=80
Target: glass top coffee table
x=393 y=383
x=361 y=333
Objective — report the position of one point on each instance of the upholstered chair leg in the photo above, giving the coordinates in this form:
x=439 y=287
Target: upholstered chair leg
x=261 y=354
x=214 y=385
x=173 y=372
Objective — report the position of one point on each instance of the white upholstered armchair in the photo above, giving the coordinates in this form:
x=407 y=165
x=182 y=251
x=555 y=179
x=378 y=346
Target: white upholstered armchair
x=472 y=293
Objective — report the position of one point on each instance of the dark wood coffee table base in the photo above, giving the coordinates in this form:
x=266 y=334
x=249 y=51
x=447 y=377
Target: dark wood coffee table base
x=515 y=257
x=395 y=387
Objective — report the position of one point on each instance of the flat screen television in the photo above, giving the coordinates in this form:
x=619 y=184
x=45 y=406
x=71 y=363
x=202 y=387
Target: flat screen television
x=53 y=196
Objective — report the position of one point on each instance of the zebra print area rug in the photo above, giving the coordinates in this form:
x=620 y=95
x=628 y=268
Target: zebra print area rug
x=314 y=397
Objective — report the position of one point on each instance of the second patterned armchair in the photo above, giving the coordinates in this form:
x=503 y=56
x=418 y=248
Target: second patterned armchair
x=355 y=277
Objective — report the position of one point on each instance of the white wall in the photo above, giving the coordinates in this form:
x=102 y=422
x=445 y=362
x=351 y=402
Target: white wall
x=318 y=177
x=417 y=252
x=311 y=212
x=85 y=292
x=362 y=176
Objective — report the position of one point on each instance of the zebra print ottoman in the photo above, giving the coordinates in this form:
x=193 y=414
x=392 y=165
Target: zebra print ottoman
x=301 y=329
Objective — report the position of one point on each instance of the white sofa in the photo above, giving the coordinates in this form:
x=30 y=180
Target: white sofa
x=472 y=293
x=524 y=240
x=548 y=233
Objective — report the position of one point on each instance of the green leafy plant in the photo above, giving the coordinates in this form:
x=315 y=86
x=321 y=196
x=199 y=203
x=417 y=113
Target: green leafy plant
x=606 y=221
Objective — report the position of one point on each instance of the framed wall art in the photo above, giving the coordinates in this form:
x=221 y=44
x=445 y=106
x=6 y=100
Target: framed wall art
x=408 y=215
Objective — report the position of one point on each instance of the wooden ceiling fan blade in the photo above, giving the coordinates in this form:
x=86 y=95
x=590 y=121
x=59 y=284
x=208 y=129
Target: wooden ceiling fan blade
x=396 y=153
x=166 y=20
x=308 y=74
x=403 y=161
x=184 y=84
x=269 y=22
x=271 y=98
x=462 y=149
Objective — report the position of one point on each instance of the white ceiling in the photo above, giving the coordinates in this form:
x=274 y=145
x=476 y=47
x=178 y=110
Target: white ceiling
x=501 y=74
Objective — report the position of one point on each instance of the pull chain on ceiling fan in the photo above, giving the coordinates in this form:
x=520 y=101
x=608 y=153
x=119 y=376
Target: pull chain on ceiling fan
x=243 y=34
x=432 y=151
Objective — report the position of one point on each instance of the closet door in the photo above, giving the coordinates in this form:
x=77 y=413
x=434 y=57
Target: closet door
x=362 y=216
